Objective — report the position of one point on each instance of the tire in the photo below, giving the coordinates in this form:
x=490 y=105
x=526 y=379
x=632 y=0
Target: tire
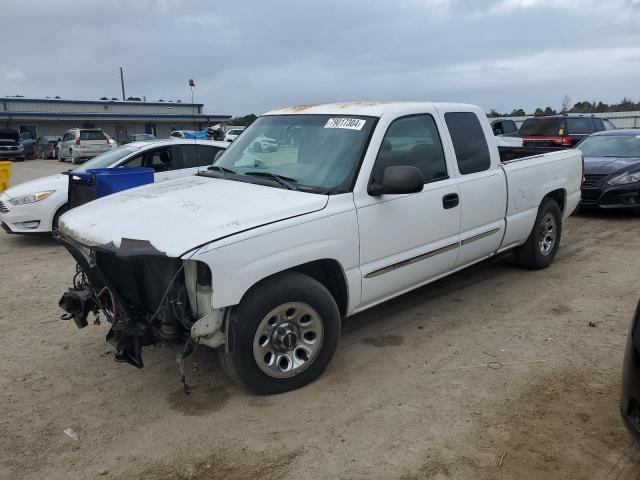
x=542 y=245
x=59 y=155
x=635 y=212
x=308 y=323
x=73 y=159
x=56 y=217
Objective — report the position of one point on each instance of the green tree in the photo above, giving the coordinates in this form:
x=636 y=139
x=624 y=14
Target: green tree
x=242 y=121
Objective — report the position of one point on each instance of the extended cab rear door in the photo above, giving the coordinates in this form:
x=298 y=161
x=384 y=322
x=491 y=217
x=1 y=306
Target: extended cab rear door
x=482 y=183
x=408 y=239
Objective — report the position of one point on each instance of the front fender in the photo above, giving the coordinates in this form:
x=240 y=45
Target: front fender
x=238 y=265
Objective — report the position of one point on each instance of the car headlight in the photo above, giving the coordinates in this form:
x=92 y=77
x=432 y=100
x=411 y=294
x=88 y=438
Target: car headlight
x=31 y=198
x=625 y=179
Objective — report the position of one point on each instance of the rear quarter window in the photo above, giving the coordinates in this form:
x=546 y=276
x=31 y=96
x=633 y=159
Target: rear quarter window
x=579 y=126
x=198 y=155
x=469 y=142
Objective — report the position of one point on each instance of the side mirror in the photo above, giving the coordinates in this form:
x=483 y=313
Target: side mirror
x=398 y=180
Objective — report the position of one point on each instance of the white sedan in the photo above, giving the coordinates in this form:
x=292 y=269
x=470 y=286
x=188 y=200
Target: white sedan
x=232 y=134
x=35 y=206
x=264 y=144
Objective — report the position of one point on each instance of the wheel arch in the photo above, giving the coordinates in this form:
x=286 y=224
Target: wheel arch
x=60 y=209
x=559 y=196
x=326 y=271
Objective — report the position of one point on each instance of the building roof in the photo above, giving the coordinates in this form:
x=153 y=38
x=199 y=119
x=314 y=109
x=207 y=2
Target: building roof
x=94 y=102
x=109 y=115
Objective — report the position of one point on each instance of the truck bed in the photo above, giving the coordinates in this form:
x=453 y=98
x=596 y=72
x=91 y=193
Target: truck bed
x=530 y=178
x=509 y=154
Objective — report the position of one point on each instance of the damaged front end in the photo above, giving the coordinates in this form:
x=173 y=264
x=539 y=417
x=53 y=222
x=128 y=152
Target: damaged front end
x=146 y=296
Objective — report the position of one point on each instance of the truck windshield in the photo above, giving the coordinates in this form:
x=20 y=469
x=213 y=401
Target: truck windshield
x=542 y=127
x=107 y=158
x=611 y=146
x=319 y=153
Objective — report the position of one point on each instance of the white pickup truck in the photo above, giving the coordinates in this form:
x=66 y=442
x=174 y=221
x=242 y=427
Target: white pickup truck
x=263 y=255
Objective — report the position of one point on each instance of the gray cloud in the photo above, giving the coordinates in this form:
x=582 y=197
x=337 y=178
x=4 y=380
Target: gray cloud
x=254 y=56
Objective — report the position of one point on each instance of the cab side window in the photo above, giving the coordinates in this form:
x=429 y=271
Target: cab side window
x=469 y=142
x=414 y=141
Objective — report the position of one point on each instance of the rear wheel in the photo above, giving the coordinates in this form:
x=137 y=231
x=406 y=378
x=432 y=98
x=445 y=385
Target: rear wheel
x=283 y=334
x=542 y=245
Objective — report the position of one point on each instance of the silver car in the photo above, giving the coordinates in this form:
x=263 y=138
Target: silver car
x=82 y=143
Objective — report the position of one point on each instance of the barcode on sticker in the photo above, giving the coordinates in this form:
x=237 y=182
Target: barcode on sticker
x=350 y=123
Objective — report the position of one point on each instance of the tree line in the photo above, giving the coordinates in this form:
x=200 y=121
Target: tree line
x=625 y=105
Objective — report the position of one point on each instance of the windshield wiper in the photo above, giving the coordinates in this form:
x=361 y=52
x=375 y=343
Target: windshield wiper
x=284 y=181
x=222 y=170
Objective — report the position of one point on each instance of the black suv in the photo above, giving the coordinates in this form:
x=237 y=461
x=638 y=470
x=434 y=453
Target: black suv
x=563 y=130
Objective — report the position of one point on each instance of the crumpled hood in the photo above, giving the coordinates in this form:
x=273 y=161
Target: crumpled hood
x=609 y=165
x=52 y=182
x=178 y=215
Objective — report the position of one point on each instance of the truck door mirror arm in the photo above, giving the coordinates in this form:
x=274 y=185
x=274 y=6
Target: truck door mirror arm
x=398 y=180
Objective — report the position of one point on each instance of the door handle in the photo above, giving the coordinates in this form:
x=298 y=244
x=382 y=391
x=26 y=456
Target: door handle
x=450 y=200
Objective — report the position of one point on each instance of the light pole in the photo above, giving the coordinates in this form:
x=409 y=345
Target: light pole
x=192 y=84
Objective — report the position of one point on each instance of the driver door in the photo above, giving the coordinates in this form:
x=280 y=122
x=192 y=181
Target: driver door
x=408 y=239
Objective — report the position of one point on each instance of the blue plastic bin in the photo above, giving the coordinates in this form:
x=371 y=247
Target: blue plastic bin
x=112 y=180
x=99 y=182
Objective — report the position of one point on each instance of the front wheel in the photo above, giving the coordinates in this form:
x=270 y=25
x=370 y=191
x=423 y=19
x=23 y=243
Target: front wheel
x=59 y=155
x=283 y=334
x=542 y=245
x=73 y=159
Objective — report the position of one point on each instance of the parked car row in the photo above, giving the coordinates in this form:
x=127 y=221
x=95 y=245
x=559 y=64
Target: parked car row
x=297 y=239
x=36 y=206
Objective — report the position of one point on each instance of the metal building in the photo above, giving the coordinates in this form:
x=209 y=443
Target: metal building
x=117 y=118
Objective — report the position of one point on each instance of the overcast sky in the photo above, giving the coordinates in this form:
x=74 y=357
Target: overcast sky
x=252 y=56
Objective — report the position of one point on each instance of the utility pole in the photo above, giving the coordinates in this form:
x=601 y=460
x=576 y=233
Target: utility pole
x=122 y=83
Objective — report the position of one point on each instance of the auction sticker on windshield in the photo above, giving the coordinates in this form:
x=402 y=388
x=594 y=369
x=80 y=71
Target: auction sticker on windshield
x=350 y=123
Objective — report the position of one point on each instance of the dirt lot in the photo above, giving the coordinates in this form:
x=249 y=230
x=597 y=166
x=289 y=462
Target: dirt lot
x=439 y=383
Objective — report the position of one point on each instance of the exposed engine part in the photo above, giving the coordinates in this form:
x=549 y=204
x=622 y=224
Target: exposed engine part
x=146 y=298
x=78 y=304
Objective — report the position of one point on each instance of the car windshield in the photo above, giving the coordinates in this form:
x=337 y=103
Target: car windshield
x=108 y=158
x=611 y=146
x=542 y=127
x=318 y=153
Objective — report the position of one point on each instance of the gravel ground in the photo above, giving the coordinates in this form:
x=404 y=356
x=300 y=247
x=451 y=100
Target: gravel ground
x=492 y=373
